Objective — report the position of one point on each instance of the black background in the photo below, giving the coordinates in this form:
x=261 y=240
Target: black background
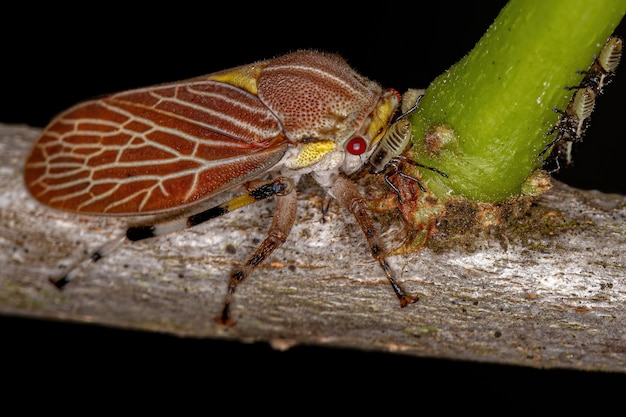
x=53 y=58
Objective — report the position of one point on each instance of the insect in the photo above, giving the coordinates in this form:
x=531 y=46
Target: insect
x=167 y=149
x=573 y=123
x=394 y=141
x=603 y=68
x=387 y=157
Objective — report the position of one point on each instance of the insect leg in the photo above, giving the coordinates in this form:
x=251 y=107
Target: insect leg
x=325 y=207
x=394 y=167
x=549 y=145
x=94 y=257
x=261 y=191
x=433 y=169
x=395 y=189
x=282 y=222
x=350 y=198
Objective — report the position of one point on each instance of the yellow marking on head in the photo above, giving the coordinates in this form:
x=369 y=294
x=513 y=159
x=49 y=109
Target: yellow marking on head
x=312 y=152
x=243 y=77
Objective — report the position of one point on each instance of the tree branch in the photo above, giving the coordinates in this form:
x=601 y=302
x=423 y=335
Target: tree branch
x=550 y=293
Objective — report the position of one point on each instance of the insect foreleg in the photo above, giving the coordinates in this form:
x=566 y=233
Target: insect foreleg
x=350 y=198
x=325 y=207
x=282 y=222
x=261 y=191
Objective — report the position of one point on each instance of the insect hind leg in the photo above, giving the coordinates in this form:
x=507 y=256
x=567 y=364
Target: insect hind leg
x=94 y=257
x=168 y=224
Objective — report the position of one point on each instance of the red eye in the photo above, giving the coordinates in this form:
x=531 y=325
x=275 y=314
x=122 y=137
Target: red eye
x=356 y=146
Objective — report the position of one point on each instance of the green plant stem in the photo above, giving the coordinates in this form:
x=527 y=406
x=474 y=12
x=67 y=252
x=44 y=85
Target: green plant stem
x=485 y=120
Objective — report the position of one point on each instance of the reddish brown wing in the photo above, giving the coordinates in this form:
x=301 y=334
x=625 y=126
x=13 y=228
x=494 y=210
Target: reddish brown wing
x=155 y=149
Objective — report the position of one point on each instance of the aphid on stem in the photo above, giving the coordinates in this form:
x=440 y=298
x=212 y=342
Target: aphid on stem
x=602 y=70
x=575 y=119
x=387 y=157
x=167 y=150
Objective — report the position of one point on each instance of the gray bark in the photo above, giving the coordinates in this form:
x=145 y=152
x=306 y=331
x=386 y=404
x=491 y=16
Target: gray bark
x=548 y=300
